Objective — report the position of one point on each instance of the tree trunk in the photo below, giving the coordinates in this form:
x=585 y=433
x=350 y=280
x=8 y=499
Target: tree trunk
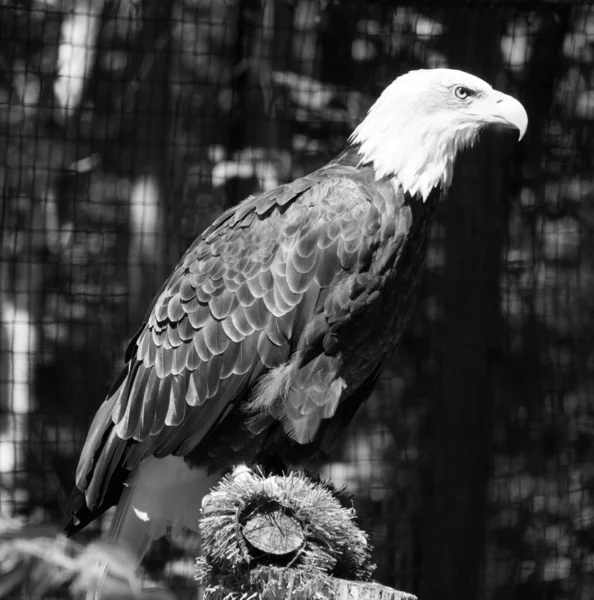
x=148 y=198
x=538 y=98
x=273 y=583
x=461 y=420
x=258 y=136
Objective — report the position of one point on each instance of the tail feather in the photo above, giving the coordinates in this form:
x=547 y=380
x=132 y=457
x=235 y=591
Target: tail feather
x=163 y=496
x=131 y=528
x=130 y=534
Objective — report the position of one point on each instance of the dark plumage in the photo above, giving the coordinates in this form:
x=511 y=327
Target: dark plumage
x=276 y=323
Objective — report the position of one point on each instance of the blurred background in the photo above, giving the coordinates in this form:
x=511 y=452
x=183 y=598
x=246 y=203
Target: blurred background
x=128 y=126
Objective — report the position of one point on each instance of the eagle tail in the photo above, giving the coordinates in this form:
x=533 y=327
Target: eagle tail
x=130 y=527
x=162 y=497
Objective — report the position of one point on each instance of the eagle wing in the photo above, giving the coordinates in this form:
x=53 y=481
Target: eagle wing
x=267 y=281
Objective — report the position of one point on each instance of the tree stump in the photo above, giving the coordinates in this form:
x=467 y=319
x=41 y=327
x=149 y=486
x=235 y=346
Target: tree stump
x=289 y=537
x=274 y=583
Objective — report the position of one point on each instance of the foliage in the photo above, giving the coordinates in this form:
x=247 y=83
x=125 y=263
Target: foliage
x=38 y=565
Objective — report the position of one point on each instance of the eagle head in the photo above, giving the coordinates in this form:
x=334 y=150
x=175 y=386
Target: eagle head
x=421 y=121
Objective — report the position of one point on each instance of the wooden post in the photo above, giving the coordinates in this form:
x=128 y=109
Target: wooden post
x=273 y=583
x=286 y=537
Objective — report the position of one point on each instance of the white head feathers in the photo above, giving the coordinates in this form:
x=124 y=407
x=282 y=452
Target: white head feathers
x=423 y=119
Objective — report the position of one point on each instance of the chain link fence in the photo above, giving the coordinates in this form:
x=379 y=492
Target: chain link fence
x=127 y=126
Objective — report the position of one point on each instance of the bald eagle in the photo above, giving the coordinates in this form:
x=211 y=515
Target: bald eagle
x=275 y=325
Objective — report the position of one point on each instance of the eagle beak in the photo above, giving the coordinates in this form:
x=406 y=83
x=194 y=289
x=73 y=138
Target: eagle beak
x=507 y=111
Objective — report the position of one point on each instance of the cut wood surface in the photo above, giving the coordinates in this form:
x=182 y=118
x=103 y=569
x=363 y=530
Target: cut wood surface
x=274 y=533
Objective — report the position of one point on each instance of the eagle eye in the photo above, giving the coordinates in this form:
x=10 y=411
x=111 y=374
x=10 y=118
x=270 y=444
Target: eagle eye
x=462 y=92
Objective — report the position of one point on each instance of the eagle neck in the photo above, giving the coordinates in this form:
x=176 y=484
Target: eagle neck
x=353 y=156
x=418 y=153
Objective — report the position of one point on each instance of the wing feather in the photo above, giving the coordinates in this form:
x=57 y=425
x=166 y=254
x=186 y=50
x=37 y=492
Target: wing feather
x=197 y=390
x=160 y=360
x=246 y=295
x=240 y=322
x=162 y=406
x=229 y=360
x=143 y=345
x=275 y=305
x=286 y=323
x=158 y=335
x=176 y=408
x=274 y=334
x=222 y=305
x=149 y=406
x=121 y=394
x=327 y=269
x=257 y=315
x=200 y=316
x=301 y=271
x=187 y=292
x=271 y=354
x=245 y=356
x=232 y=281
x=175 y=309
x=180 y=357
x=173 y=337
x=106 y=467
x=185 y=329
x=231 y=331
x=215 y=338
x=127 y=426
x=201 y=348
x=193 y=359
x=191 y=305
x=160 y=314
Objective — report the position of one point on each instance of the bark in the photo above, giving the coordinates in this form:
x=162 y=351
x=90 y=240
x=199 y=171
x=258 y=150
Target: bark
x=148 y=199
x=472 y=366
x=474 y=219
x=258 y=133
x=273 y=583
x=538 y=97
